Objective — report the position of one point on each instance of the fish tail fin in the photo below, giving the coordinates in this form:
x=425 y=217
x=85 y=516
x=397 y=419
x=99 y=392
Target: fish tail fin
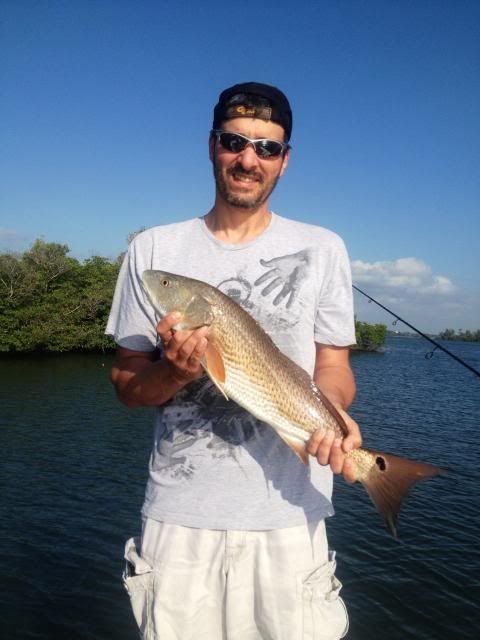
x=389 y=481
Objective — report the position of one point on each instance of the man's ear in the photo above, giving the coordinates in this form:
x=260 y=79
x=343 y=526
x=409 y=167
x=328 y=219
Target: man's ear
x=285 y=160
x=211 y=147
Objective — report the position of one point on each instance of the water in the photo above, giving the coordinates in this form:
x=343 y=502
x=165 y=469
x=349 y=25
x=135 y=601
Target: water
x=74 y=464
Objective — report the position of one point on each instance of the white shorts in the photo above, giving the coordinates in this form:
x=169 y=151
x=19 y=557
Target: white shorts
x=200 y=584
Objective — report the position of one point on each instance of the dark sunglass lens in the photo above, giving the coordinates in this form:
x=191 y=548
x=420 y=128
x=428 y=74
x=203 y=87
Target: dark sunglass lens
x=268 y=148
x=232 y=142
x=235 y=143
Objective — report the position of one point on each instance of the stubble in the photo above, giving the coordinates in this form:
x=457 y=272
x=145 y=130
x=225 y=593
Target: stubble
x=244 y=201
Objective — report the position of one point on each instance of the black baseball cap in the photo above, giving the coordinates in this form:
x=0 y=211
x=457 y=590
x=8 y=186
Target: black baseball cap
x=254 y=100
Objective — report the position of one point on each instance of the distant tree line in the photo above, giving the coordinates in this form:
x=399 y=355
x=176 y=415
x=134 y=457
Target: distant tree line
x=51 y=302
x=370 y=337
x=463 y=336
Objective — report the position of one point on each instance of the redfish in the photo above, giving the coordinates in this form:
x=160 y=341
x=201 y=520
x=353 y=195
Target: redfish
x=247 y=367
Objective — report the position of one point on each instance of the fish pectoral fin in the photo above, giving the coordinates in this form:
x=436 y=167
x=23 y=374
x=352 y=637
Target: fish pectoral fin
x=213 y=364
x=297 y=447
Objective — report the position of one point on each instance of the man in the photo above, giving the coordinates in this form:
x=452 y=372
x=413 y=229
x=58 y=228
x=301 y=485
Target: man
x=233 y=541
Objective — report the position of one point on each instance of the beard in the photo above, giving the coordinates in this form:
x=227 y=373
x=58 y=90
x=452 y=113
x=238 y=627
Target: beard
x=247 y=201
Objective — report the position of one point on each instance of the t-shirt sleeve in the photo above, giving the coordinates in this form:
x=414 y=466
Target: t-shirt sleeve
x=132 y=319
x=334 y=319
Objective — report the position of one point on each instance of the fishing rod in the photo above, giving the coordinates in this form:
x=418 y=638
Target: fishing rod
x=437 y=345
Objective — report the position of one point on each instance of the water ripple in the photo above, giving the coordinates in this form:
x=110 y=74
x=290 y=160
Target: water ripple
x=74 y=470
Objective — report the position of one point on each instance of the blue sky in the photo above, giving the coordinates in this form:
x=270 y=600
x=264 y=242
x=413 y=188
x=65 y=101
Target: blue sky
x=106 y=105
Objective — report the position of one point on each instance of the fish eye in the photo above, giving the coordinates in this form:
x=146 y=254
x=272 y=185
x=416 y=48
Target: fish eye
x=165 y=282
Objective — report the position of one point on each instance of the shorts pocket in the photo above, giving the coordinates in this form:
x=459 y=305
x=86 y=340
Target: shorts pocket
x=138 y=581
x=324 y=612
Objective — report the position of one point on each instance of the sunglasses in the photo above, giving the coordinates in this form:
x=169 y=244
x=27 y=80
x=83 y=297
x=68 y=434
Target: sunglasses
x=264 y=148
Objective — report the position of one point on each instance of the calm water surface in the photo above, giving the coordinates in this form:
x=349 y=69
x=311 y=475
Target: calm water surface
x=74 y=465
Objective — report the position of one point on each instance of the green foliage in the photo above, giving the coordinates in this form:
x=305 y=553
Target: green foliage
x=370 y=337
x=462 y=336
x=52 y=302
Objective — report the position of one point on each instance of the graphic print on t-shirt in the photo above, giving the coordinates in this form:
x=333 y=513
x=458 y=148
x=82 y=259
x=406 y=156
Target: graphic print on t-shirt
x=201 y=416
x=281 y=284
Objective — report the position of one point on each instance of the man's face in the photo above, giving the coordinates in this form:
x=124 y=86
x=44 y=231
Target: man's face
x=243 y=179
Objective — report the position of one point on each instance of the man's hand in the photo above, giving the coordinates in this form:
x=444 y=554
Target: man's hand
x=183 y=350
x=141 y=379
x=330 y=450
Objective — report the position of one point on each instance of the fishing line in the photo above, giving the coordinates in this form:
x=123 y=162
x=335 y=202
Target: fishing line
x=434 y=342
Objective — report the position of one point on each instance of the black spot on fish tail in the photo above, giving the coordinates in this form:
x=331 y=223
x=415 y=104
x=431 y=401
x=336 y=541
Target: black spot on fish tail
x=390 y=480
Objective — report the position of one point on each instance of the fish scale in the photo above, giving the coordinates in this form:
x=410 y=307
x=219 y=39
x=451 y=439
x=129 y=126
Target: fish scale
x=258 y=374
x=247 y=367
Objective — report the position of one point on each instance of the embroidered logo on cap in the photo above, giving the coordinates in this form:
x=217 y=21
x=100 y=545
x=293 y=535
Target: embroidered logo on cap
x=241 y=111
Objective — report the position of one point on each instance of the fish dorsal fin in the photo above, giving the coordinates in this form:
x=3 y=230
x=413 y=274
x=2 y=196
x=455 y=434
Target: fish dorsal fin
x=213 y=364
x=297 y=447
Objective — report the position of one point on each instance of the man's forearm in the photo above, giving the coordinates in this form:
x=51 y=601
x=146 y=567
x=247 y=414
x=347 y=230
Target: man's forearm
x=145 y=384
x=141 y=380
x=337 y=383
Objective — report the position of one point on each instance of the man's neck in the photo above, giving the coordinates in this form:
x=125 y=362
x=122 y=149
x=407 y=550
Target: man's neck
x=234 y=225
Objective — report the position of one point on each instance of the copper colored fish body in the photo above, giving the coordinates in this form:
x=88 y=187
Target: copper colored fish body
x=247 y=367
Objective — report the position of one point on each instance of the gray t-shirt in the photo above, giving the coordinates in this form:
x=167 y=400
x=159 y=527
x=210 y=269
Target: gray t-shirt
x=214 y=465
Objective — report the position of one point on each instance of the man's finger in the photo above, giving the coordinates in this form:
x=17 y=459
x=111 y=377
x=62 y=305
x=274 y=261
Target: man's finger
x=183 y=344
x=323 y=452
x=165 y=326
x=337 y=457
x=354 y=438
x=314 y=441
x=199 y=350
x=349 y=471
